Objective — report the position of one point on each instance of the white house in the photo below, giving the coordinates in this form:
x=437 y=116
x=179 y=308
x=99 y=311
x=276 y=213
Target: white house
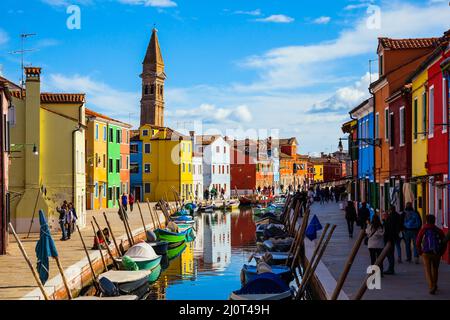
x=197 y=174
x=216 y=162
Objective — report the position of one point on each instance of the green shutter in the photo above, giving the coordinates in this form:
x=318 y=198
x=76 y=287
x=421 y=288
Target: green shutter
x=415 y=119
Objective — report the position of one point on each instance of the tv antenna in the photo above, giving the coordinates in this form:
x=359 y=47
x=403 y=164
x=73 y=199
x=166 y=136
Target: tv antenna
x=22 y=51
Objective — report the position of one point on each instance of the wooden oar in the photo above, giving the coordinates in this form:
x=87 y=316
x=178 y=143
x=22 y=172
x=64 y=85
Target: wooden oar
x=119 y=252
x=30 y=265
x=97 y=240
x=63 y=276
x=106 y=244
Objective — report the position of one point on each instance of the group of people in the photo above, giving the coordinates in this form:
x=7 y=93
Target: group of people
x=327 y=194
x=67 y=219
x=127 y=200
x=213 y=194
x=426 y=240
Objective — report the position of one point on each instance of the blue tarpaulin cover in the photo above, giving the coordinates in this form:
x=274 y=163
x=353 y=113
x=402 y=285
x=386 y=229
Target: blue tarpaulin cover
x=313 y=227
x=45 y=248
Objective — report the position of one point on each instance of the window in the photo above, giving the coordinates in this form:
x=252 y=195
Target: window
x=224 y=149
x=12 y=116
x=96 y=160
x=128 y=137
x=146 y=89
x=189 y=147
x=147 y=148
x=152 y=89
x=147 y=168
x=217 y=149
x=134 y=148
x=431 y=111
x=228 y=169
x=377 y=124
x=380 y=65
x=134 y=167
x=127 y=164
x=104 y=189
x=184 y=167
x=193 y=169
x=96 y=189
x=402 y=126
x=386 y=124
x=104 y=160
x=147 y=187
x=424 y=114
x=391 y=130
x=110 y=193
x=444 y=104
x=145 y=132
x=214 y=168
x=120 y=163
x=111 y=135
x=96 y=131
x=117 y=165
x=119 y=136
x=104 y=133
x=415 y=118
x=189 y=167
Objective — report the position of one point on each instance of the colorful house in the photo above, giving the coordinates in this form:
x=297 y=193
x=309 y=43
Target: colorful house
x=242 y=168
x=197 y=175
x=125 y=159
x=288 y=157
x=48 y=138
x=136 y=184
x=5 y=105
x=167 y=163
x=398 y=58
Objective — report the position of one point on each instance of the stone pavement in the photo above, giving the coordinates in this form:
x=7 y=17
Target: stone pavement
x=16 y=279
x=407 y=284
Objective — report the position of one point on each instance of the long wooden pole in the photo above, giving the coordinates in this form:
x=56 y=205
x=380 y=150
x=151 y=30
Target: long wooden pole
x=119 y=252
x=151 y=216
x=348 y=265
x=94 y=276
x=106 y=244
x=63 y=276
x=307 y=277
x=97 y=240
x=142 y=219
x=378 y=262
x=25 y=256
x=154 y=221
x=34 y=211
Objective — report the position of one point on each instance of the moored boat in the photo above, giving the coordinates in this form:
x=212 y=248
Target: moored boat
x=284 y=272
x=266 y=286
x=119 y=282
x=143 y=255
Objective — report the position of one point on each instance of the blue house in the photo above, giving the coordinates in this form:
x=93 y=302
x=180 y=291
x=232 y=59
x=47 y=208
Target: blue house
x=136 y=185
x=363 y=113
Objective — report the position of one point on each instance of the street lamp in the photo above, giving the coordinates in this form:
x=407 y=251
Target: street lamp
x=340 y=146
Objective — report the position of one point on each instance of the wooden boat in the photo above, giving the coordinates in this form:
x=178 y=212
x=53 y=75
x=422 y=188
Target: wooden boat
x=277 y=258
x=266 y=286
x=124 y=297
x=268 y=219
x=173 y=237
x=246 y=201
x=278 y=245
x=160 y=247
x=172 y=253
x=284 y=272
x=143 y=255
x=119 y=282
x=265 y=231
x=182 y=219
x=156 y=272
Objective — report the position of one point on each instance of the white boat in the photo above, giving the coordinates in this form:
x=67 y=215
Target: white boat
x=126 y=282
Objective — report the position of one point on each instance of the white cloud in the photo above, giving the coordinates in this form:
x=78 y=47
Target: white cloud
x=4 y=38
x=356 y=6
x=65 y=3
x=322 y=20
x=301 y=65
x=256 y=12
x=209 y=113
x=276 y=18
x=100 y=97
x=346 y=98
x=151 y=3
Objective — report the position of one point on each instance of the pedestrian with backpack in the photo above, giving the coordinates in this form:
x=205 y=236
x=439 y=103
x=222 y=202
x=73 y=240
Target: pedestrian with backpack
x=412 y=224
x=431 y=246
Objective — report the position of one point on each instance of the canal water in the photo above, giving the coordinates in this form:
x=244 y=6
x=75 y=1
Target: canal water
x=208 y=268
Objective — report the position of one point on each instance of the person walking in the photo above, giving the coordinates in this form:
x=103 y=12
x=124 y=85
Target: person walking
x=74 y=217
x=375 y=243
x=431 y=246
x=131 y=201
x=62 y=221
x=350 y=217
x=206 y=194
x=412 y=224
x=391 y=234
x=363 y=216
x=124 y=201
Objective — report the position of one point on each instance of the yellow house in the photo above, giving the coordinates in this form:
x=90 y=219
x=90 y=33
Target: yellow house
x=166 y=163
x=419 y=146
x=47 y=167
x=318 y=172
x=96 y=160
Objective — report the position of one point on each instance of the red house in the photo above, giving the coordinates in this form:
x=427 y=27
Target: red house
x=400 y=113
x=242 y=168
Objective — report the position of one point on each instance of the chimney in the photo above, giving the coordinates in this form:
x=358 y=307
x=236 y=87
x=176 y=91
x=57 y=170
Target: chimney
x=192 y=134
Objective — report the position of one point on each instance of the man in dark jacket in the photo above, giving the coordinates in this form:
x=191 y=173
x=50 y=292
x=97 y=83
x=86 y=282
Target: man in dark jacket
x=391 y=234
x=412 y=224
x=363 y=216
x=350 y=217
x=431 y=246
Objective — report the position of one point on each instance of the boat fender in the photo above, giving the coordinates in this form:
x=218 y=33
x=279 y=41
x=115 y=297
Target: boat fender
x=129 y=264
x=151 y=236
x=108 y=288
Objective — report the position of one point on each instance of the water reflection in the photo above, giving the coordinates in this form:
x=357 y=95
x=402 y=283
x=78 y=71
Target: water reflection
x=209 y=267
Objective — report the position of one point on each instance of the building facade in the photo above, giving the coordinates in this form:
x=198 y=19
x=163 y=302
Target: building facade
x=136 y=184
x=197 y=175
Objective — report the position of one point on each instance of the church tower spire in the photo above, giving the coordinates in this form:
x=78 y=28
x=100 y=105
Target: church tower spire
x=153 y=76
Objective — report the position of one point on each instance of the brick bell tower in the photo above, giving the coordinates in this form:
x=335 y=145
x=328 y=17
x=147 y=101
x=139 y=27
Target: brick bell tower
x=153 y=76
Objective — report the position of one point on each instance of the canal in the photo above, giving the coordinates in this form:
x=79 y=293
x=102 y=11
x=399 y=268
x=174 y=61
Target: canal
x=208 y=268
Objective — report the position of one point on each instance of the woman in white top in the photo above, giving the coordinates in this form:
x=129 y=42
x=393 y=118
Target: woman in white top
x=375 y=235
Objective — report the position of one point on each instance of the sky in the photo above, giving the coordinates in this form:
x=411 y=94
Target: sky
x=281 y=67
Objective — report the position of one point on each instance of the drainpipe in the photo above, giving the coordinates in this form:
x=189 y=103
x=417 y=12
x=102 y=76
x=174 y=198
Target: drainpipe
x=74 y=174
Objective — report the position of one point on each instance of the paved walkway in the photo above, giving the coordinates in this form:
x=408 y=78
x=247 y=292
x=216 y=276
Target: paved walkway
x=16 y=279
x=409 y=281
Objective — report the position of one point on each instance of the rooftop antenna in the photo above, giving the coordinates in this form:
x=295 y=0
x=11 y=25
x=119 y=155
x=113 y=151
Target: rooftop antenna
x=23 y=36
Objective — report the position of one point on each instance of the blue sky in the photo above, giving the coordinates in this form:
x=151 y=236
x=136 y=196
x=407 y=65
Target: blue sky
x=295 y=66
